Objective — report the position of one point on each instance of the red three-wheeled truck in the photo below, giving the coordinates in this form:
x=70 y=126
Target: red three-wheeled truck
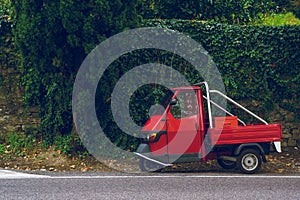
x=186 y=131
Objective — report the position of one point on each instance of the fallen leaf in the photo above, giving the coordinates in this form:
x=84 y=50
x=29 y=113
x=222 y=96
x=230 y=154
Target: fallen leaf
x=289 y=164
x=280 y=170
x=84 y=169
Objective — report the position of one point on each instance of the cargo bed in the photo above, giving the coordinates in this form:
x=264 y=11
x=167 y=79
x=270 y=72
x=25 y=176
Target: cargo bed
x=245 y=134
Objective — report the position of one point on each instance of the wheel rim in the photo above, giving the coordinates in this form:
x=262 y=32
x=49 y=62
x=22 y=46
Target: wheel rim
x=250 y=162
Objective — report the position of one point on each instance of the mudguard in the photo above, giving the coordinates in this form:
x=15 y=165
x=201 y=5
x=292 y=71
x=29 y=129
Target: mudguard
x=262 y=152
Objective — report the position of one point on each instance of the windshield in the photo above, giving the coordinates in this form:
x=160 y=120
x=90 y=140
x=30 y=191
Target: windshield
x=186 y=105
x=161 y=104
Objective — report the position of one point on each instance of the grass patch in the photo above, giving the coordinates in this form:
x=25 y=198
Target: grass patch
x=278 y=20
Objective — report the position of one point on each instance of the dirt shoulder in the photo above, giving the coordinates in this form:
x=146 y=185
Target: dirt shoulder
x=287 y=162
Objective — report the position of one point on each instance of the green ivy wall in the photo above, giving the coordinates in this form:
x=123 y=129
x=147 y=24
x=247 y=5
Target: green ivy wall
x=260 y=66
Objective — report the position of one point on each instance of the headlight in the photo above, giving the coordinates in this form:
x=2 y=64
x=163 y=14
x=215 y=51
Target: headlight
x=151 y=136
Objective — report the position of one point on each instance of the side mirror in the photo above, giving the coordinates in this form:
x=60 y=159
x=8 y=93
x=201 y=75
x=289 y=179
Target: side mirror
x=173 y=102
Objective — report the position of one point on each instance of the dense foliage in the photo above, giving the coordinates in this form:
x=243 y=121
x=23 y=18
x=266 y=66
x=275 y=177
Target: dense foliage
x=53 y=38
x=278 y=20
x=229 y=11
x=293 y=6
x=6 y=46
x=257 y=62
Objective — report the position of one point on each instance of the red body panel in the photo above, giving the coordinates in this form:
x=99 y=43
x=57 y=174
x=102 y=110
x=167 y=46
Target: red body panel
x=159 y=147
x=245 y=134
x=183 y=137
x=155 y=123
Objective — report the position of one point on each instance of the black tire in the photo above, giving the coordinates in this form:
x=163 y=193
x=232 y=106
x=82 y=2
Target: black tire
x=148 y=166
x=249 y=161
x=227 y=164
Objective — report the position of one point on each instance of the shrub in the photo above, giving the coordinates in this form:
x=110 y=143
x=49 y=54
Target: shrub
x=278 y=20
x=2 y=149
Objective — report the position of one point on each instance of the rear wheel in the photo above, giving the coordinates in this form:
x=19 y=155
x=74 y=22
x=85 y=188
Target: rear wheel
x=149 y=166
x=249 y=161
x=227 y=164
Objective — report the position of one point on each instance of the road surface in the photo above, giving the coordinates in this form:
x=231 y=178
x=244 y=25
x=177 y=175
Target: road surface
x=99 y=185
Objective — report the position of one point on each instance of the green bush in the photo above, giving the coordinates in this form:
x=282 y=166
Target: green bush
x=5 y=10
x=225 y=11
x=278 y=20
x=63 y=143
x=6 y=46
x=19 y=143
x=53 y=38
x=2 y=149
x=69 y=145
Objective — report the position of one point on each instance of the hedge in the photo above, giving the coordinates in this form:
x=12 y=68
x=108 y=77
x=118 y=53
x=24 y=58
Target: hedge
x=6 y=46
x=256 y=62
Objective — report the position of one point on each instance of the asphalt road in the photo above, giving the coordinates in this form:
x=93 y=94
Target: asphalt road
x=97 y=185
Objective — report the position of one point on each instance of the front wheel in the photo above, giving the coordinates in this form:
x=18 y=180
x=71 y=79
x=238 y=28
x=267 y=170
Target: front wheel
x=249 y=161
x=148 y=166
x=226 y=164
